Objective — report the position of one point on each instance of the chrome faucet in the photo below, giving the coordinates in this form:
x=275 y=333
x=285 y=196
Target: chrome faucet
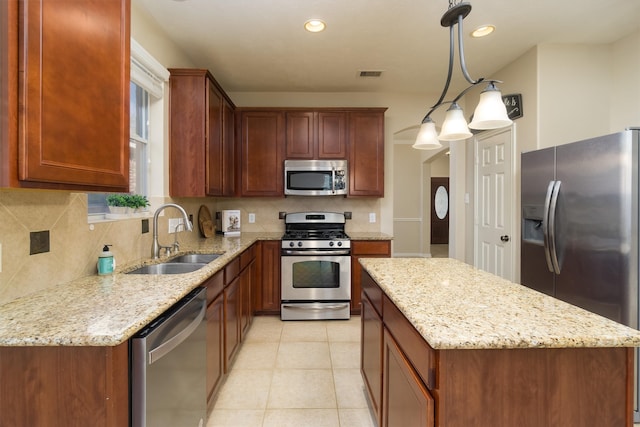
x=155 y=249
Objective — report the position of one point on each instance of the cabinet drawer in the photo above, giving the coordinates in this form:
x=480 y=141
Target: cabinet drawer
x=381 y=247
x=231 y=271
x=419 y=353
x=214 y=286
x=373 y=292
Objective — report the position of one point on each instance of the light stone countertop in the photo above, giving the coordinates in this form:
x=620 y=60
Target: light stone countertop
x=108 y=310
x=455 y=306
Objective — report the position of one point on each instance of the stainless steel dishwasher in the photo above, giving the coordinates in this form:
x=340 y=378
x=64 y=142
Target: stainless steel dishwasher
x=168 y=367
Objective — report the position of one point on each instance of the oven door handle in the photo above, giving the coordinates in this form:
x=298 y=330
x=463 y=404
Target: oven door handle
x=324 y=307
x=312 y=252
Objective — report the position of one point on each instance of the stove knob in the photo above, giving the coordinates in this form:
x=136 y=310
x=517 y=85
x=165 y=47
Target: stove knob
x=299 y=244
x=339 y=243
x=291 y=244
x=330 y=243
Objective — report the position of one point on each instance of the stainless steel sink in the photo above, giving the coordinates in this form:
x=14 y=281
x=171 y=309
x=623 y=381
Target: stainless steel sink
x=169 y=268
x=197 y=258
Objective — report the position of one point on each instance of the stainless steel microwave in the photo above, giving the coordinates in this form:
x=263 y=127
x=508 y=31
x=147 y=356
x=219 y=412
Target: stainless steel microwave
x=315 y=177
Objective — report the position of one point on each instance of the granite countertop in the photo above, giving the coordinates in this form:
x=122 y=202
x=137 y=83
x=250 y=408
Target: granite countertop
x=362 y=235
x=108 y=310
x=455 y=306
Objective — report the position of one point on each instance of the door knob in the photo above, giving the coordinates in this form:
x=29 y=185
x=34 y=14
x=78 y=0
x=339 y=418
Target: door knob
x=504 y=238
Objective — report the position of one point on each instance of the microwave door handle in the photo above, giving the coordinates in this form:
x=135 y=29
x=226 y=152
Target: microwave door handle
x=333 y=179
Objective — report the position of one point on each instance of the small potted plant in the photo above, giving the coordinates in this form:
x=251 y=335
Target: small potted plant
x=138 y=202
x=118 y=203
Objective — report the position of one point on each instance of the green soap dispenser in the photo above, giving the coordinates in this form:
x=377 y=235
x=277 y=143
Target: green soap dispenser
x=106 y=261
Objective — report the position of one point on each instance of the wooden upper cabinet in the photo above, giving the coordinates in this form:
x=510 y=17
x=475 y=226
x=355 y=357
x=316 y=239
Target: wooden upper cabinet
x=332 y=135
x=261 y=136
x=366 y=153
x=201 y=141
x=67 y=126
x=301 y=135
x=316 y=135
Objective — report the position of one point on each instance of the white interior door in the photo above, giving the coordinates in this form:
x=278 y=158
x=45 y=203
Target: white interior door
x=494 y=240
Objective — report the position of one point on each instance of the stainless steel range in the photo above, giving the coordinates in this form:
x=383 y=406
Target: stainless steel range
x=316 y=267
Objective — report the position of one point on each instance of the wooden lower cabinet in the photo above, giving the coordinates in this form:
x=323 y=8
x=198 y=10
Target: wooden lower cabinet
x=266 y=292
x=371 y=355
x=364 y=249
x=525 y=387
x=247 y=267
x=232 y=313
x=64 y=386
x=405 y=399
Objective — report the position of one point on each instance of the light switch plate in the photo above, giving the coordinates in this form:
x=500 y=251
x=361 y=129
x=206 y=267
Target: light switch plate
x=252 y=218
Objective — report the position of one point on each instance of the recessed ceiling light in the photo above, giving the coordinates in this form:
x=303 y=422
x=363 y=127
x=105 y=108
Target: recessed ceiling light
x=483 y=30
x=315 y=25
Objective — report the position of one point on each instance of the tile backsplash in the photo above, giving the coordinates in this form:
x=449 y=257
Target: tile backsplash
x=75 y=244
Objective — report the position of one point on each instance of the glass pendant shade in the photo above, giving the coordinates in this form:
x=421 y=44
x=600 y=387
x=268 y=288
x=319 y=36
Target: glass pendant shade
x=455 y=126
x=491 y=113
x=427 y=136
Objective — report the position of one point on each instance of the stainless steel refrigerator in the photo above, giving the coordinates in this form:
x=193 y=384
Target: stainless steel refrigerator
x=580 y=225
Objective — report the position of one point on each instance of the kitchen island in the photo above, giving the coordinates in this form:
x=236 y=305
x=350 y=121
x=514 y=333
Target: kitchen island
x=444 y=344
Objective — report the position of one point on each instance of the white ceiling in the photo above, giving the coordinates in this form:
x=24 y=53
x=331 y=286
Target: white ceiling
x=260 y=45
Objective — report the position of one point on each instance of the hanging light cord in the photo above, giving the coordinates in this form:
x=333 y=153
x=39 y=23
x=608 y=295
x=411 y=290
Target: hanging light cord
x=463 y=64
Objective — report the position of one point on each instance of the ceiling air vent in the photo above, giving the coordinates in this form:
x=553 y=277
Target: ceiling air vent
x=370 y=73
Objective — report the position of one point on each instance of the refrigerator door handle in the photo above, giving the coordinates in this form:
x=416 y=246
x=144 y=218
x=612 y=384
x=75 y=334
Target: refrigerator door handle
x=545 y=226
x=552 y=227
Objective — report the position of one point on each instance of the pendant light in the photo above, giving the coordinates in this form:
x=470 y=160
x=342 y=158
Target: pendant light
x=491 y=113
x=427 y=136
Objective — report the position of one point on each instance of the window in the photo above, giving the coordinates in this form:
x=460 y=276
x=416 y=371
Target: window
x=145 y=126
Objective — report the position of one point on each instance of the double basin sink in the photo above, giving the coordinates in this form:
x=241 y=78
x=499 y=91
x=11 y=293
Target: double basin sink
x=181 y=264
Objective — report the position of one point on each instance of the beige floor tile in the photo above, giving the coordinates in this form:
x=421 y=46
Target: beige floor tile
x=265 y=329
x=257 y=355
x=236 y=418
x=349 y=389
x=344 y=330
x=304 y=331
x=245 y=389
x=345 y=355
x=302 y=418
x=356 y=418
x=303 y=355
x=302 y=388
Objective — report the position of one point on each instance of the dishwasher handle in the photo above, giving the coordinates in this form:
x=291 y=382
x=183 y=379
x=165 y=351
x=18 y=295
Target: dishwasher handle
x=169 y=344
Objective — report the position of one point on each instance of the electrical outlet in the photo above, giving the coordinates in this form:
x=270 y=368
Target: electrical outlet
x=372 y=217
x=173 y=223
x=252 y=218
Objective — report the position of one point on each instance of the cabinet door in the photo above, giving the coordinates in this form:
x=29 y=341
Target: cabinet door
x=300 y=136
x=214 y=146
x=215 y=346
x=267 y=289
x=364 y=249
x=188 y=111
x=229 y=158
x=366 y=154
x=332 y=135
x=246 y=276
x=73 y=123
x=371 y=355
x=231 y=322
x=406 y=401
x=262 y=148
